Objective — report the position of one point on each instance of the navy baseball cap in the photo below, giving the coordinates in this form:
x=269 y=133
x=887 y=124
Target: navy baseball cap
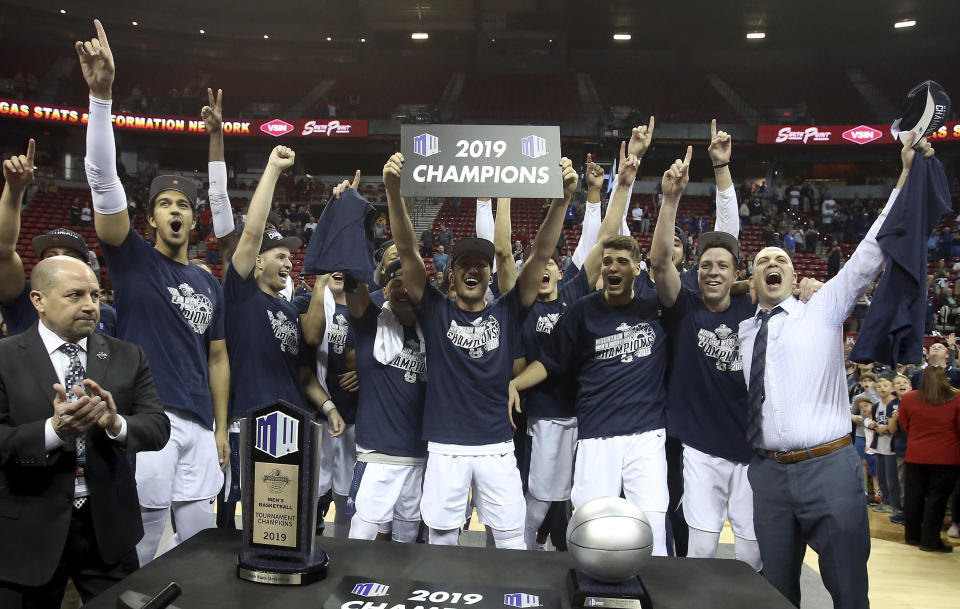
x=61 y=237
x=273 y=238
x=718 y=238
x=471 y=245
x=184 y=186
x=925 y=110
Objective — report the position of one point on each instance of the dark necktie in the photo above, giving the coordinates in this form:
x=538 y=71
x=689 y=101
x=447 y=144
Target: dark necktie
x=755 y=388
x=74 y=376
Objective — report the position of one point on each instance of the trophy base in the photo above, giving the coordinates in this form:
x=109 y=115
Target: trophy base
x=266 y=570
x=586 y=591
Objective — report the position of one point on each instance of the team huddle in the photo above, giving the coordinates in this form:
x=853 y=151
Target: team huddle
x=421 y=389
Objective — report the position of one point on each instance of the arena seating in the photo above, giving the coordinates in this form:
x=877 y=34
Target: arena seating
x=522 y=97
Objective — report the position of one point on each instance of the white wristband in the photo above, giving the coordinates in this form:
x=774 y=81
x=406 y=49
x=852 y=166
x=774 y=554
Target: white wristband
x=219 y=199
x=327 y=407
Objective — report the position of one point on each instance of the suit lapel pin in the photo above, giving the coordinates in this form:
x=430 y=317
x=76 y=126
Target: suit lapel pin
x=102 y=355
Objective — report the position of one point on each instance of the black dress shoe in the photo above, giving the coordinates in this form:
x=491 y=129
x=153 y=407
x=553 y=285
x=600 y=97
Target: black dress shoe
x=911 y=542
x=940 y=548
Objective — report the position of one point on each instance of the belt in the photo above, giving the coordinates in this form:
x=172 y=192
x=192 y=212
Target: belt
x=794 y=456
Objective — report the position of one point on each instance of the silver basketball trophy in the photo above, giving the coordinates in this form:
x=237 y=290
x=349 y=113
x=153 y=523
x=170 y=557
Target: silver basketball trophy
x=280 y=452
x=610 y=539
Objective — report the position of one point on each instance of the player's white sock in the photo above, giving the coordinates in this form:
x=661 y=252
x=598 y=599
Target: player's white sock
x=658 y=524
x=509 y=540
x=191 y=517
x=441 y=537
x=361 y=529
x=702 y=544
x=153 y=522
x=748 y=550
x=341 y=522
x=405 y=531
x=536 y=512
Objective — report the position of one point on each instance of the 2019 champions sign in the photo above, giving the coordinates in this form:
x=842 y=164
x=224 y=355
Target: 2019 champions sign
x=481 y=161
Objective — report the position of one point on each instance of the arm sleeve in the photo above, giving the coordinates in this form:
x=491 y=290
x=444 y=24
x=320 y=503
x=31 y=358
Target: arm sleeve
x=728 y=212
x=838 y=296
x=485 y=223
x=588 y=233
x=219 y=199
x=101 y=161
x=51 y=441
x=624 y=227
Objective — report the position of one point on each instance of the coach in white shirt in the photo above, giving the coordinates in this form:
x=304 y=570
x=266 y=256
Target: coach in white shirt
x=806 y=477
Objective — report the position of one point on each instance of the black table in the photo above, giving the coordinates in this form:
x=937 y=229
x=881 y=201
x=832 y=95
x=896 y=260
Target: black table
x=205 y=567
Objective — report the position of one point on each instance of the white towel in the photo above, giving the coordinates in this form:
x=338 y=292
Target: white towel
x=389 y=340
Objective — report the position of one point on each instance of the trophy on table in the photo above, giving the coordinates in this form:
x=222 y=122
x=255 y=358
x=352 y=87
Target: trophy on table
x=279 y=453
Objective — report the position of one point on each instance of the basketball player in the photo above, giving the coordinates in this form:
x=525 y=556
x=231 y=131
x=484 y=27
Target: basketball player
x=550 y=408
x=170 y=307
x=469 y=437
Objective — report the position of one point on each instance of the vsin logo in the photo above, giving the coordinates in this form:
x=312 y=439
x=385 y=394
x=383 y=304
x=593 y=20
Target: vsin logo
x=370 y=589
x=521 y=600
x=862 y=134
x=277 y=434
x=276 y=127
x=426 y=144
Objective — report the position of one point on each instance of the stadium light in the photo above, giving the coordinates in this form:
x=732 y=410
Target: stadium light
x=622 y=36
x=329 y=38
x=63 y=11
x=266 y=36
x=756 y=35
x=134 y=23
x=419 y=36
x=363 y=40
x=203 y=31
x=905 y=23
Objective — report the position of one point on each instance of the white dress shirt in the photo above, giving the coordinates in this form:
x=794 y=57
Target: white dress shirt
x=805 y=383
x=61 y=361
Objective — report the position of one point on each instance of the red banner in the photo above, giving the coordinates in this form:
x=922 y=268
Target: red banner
x=842 y=135
x=319 y=128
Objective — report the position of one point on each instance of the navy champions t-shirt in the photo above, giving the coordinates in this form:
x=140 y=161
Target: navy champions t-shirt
x=264 y=342
x=20 y=314
x=705 y=386
x=470 y=358
x=340 y=342
x=173 y=311
x=390 y=408
x=555 y=396
x=618 y=355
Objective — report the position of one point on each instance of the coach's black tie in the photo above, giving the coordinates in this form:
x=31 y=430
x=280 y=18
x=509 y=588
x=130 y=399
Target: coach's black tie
x=74 y=376
x=757 y=365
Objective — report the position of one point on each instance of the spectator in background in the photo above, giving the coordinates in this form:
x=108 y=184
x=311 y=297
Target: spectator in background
x=744 y=213
x=811 y=235
x=441 y=259
x=445 y=236
x=636 y=217
x=455 y=205
x=884 y=413
x=932 y=243
x=901 y=385
x=213 y=249
x=789 y=243
x=798 y=239
x=75 y=209
x=756 y=210
x=426 y=243
x=570 y=218
x=833 y=259
x=86 y=215
x=828 y=210
x=931 y=416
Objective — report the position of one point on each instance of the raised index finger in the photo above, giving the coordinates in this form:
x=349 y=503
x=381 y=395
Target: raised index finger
x=101 y=35
x=713 y=128
x=209 y=97
x=650 y=128
x=220 y=99
x=31 y=149
x=686 y=159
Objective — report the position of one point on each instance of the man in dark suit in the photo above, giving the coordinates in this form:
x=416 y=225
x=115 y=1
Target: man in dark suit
x=74 y=407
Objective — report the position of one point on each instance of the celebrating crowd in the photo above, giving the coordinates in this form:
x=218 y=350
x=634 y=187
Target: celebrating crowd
x=699 y=397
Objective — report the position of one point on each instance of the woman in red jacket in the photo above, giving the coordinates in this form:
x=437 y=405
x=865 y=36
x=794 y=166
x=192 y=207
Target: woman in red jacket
x=931 y=417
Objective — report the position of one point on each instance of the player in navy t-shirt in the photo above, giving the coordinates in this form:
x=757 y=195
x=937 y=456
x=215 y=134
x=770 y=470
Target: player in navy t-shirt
x=264 y=339
x=706 y=391
x=613 y=343
x=171 y=308
x=550 y=406
x=16 y=310
x=465 y=418
x=391 y=360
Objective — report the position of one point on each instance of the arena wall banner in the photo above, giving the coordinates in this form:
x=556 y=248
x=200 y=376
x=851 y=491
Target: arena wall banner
x=481 y=160
x=842 y=135
x=152 y=123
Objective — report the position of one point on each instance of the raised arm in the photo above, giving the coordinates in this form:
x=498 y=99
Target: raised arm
x=219 y=364
x=502 y=229
x=665 y=274
x=18 y=174
x=357 y=302
x=109 y=201
x=220 y=208
x=546 y=240
x=728 y=212
x=248 y=248
x=313 y=323
x=414 y=272
x=626 y=174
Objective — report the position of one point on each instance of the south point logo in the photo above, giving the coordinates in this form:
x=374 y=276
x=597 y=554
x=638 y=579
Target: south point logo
x=196 y=308
x=275 y=481
x=481 y=336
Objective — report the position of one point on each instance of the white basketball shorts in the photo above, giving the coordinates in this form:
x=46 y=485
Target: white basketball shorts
x=551 y=457
x=498 y=491
x=635 y=464
x=714 y=490
x=389 y=492
x=338 y=456
x=187 y=468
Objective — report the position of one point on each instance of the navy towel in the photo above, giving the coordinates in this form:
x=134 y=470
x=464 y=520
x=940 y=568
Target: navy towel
x=893 y=327
x=343 y=239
